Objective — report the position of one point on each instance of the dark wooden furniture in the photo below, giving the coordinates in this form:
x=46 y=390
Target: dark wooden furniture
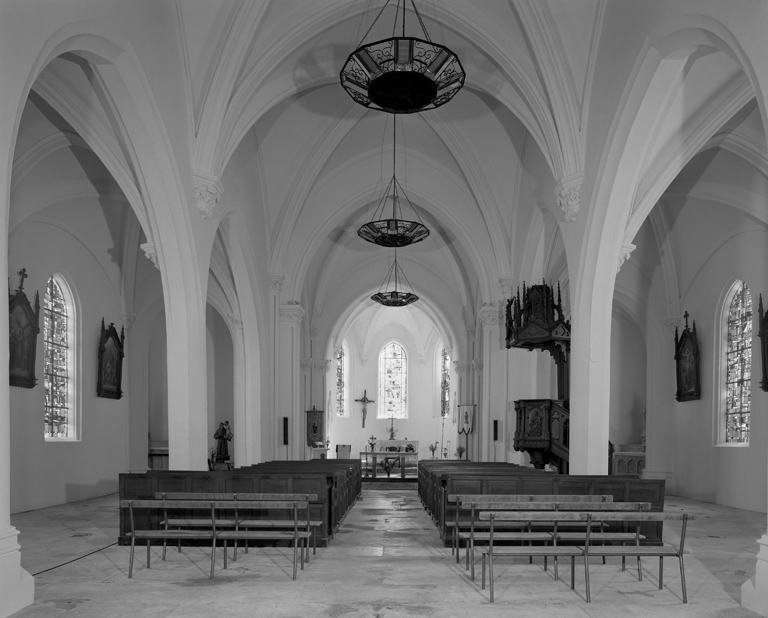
x=687 y=363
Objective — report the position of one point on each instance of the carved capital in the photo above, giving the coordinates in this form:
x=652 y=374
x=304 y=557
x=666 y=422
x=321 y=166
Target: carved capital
x=236 y=319
x=150 y=251
x=674 y=321
x=208 y=192
x=276 y=282
x=462 y=366
x=306 y=364
x=626 y=249
x=364 y=360
x=477 y=364
x=127 y=319
x=313 y=332
x=323 y=365
x=291 y=313
x=421 y=360
x=489 y=316
x=506 y=285
x=568 y=192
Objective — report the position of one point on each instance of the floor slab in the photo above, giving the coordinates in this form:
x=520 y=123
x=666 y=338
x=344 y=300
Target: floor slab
x=386 y=561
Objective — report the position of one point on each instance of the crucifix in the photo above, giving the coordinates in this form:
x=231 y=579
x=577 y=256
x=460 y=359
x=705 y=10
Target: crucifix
x=23 y=275
x=365 y=401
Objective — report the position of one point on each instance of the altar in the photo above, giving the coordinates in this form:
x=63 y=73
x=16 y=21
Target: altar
x=388 y=461
x=400 y=445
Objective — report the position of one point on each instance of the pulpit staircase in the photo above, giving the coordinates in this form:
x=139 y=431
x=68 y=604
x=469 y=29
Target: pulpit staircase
x=535 y=321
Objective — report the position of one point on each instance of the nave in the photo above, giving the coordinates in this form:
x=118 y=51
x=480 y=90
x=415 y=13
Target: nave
x=386 y=561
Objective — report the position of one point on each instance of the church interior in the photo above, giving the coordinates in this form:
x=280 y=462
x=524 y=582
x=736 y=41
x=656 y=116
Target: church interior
x=217 y=174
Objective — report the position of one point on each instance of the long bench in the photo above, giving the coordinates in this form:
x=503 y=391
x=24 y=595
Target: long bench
x=144 y=486
x=587 y=549
x=462 y=528
x=269 y=522
x=547 y=532
x=208 y=513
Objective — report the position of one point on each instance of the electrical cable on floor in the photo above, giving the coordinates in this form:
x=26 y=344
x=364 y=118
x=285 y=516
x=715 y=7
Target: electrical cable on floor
x=74 y=560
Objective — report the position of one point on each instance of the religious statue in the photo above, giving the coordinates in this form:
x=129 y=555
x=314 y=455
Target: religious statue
x=365 y=401
x=222 y=436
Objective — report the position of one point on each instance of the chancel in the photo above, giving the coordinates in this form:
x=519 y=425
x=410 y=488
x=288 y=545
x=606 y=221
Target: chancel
x=209 y=212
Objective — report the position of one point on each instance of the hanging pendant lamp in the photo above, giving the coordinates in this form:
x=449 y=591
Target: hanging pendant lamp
x=395 y=231
x=392 y=296
x=402 y=75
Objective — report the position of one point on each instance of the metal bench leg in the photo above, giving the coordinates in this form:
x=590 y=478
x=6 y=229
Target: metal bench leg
x=295 y=549
x=472 y=561
x=301 y=551
x=225 y=552
x=490 y=574
x=661 y=572
x=586 y=573
x=130 y=562
x=573 y=572
x=682 y=578
x=213 y=555
x=482 y=586
x=148 y=554
x=164 y=544
x=639 y=570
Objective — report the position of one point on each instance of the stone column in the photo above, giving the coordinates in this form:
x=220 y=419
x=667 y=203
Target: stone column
x=240 y=421
x=493 y=381
x=288 y=383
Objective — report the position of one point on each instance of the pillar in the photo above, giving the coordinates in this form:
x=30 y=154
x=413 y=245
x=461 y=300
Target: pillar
x=288 y=385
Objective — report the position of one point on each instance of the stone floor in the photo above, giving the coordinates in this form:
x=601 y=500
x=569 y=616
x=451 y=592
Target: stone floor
x=386 y=561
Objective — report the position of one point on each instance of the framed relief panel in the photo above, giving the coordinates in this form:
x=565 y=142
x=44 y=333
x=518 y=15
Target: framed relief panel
x=687 y=364
x=24 y=326
x=110 y=378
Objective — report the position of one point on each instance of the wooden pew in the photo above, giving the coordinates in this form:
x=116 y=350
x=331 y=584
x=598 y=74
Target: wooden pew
x=587 y=549
x=623 y=489
x=239 y=481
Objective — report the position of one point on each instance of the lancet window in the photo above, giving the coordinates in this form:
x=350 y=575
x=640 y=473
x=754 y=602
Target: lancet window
x=393 y=382
x=738 y=361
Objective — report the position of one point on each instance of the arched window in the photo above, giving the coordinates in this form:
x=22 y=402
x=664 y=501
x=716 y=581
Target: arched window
x=738 y=365
x=342 y=380
x=445 y=384
x=393 y=382
x=58 y=361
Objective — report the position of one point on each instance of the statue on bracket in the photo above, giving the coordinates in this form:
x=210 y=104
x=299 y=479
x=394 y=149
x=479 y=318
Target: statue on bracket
x=110 y=378
x=23 y=330
x=687 y=363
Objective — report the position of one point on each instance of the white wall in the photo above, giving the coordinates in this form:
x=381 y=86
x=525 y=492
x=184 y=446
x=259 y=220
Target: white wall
x=424 y=422
x=628 y=381
x=730 y=475
x=221 y=395
x=45 y=473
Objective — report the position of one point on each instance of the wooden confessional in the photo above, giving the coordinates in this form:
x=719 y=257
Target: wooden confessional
x=535 y=321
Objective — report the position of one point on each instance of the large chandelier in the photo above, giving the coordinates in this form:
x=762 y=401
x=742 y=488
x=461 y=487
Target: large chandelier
x=392 y=296
x=402 y=75
x=395 y=231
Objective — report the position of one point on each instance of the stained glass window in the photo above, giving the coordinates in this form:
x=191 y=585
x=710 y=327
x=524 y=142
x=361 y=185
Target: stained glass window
x=445 y=384
x=393 y=372
x=738 y=357
x=340 y=381
x=56 y=355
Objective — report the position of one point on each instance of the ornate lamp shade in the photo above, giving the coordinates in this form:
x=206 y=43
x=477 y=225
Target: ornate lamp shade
x=393 y=232
x=395 y=298
x=402 y=75
x=392 y=296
